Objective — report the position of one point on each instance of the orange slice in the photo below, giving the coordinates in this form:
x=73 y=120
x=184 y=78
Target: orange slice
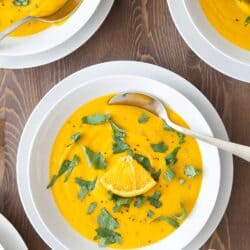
x=127 y=178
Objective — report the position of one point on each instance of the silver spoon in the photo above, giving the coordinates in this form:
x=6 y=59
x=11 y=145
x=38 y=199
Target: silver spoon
x=155 y=106
x=60 y=15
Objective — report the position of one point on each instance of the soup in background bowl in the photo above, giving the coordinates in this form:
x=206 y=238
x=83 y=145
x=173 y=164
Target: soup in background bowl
x=82 y=131
x=37 y=37
x=14 y=10
x=224 y=29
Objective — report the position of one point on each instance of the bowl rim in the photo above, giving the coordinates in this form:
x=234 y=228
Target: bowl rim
x=130 y=77
x=238 y=58
x=70 y=27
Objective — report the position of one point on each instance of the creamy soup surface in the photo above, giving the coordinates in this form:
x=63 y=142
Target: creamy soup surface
x=12 y=11
x=231 y=18
x=136 y=221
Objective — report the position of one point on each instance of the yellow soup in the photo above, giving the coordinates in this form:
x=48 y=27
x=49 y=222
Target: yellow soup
x=11 y=11
x=135 y=221
x=231 y=18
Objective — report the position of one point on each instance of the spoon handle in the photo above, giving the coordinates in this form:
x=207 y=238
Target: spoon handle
x=14 y=26
x=239 y=150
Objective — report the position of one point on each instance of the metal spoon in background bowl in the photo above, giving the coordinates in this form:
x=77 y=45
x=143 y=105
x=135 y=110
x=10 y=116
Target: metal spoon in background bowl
x=155 y=106
x=60 y=15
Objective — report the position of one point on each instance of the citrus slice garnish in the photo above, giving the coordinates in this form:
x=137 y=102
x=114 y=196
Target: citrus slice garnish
x=127 y=178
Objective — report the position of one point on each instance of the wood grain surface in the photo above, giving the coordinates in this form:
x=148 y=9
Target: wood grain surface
x=136 y=30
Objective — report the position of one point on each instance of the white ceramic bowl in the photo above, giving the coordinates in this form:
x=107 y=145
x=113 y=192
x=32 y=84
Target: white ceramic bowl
x=39 y=155
x=202 y=24
x=51 y=37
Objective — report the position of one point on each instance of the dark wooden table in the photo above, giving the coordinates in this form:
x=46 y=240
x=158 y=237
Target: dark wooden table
x=134 y=30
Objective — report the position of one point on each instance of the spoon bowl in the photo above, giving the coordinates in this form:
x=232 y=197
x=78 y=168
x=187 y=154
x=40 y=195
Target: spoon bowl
x=63 y=13
x=155 y=106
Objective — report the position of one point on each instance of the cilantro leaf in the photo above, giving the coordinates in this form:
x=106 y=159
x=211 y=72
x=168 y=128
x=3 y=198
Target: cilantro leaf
x=169 y=220
x=247 y=21
x=52 y=181
x=106 y=220
x=95 y=159
x=86 y=187
x=92 y=207
x=119 y=202
x=150 y=213
x=71 y=166
x=21 y=2
x=140 y=200
x=75 y=137
x=119 y=146
x=171 y=159
x=66 y=167
x=156 y=174
x=119 y=134
x=107 y=237
x=191 y=172
x=167 y=127
x=96 y=119
x=143 y=118
x=183 y=213
x=181 y=137
x=179 y=134
x=145 y=162
x=169 y=174
x=155 y=199
x=160 y=147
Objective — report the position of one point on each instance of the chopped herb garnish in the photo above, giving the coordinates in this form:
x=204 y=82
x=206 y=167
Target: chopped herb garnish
x=150 y=213
x=171 y=159
x=52 y=181
x=155 y=199
x=145 y=162
x=169 y=174
x=140 y=200
x=86 y=187
x=71 y=166
x=66 y=167
x=95 y=159
x=168 y=128
x=143 y=118
x=159 y=147
x=181 y=181
x=119 y=201
x=96 y=119
x=181 y=137
x=191 y=172
x=21 y=2
x=119 y=144
x=117 y=132
x=107 y=237
x=247 y=21
x=156 y=174
x=76 y=137
x=106 y=220
x=169 y=220
x=107 y=223
x=92 y=207
x=183 y=213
